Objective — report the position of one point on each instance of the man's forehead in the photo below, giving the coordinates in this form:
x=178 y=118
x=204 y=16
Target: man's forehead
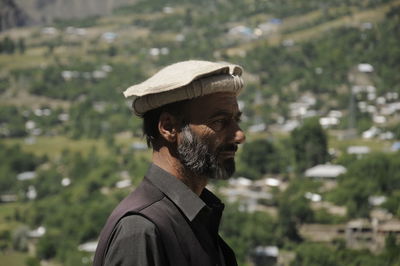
x=205 y=106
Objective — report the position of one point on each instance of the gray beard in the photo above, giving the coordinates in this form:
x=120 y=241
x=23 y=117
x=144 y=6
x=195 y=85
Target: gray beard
x=198 y=158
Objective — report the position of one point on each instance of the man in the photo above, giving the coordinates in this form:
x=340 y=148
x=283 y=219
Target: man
x=190 y=118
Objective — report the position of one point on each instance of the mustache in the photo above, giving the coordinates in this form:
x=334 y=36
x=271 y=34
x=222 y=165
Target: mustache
x=228 y=147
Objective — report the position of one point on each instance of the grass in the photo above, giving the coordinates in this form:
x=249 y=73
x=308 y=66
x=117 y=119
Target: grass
x=21 y=61
x=54 y=146
x=22 y=98
x=7 y=213
x=375 y=145
x=7 y=209
x=13 y=258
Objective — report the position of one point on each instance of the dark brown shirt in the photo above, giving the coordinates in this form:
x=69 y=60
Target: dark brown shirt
x=136 y=240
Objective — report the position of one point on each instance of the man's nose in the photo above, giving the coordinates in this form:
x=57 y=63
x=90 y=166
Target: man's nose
x=239 y=137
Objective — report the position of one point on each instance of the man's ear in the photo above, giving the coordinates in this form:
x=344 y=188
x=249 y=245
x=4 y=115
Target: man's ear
x=167 y=126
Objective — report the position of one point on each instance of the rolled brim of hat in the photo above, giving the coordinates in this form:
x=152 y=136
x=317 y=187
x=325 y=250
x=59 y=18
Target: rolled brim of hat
x=183 y=81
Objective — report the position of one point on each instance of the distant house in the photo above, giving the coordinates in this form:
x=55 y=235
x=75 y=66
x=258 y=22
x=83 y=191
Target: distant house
x=257 y=128
x=8 y=198
x=75 y=31
x=371 y=133
x=68 y=74
x=270 y=26
x=327 y=122
x=49 y=31
x=301 y=108
x=28 y=175
x=99 y=74
x=88 y=246
x=242 y=32
x=168 y=10
x=240 y=182
x=376 y=200
x=360 y=234
x=290 y=125
x=31 y=194
x=288 y=42
x=325 y=171
x=38 y=232
x=265 y=255
x=390 y=108
x=390 y=227
x=365 y=68
x=123 y=183
x=139 y=146
x=396 y=146
x=322 y=232
x=65 y=182
x=314 y=197
x=379 y=119
x=241 y=190
x=109 y=36
x=329 y=207
x=359 y=151
x=380 y=216
x=269 y=181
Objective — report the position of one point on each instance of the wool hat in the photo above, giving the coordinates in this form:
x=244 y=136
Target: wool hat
x=182 y=81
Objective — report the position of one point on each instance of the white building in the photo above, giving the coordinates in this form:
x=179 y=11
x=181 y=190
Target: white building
x=358 y=150
x=325 y=171
x=38 y=232
x=28 y=175
x=88 y=246
x=365 y=68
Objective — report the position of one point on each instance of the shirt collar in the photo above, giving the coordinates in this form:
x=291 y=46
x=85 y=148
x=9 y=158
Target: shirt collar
x=180 y=194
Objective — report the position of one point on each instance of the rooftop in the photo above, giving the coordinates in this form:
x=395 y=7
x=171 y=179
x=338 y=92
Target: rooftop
x=325 y=171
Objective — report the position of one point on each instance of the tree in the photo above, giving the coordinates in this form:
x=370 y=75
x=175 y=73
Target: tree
x=315 y=255
x=310 y=145
x=47 y=246
x=20 y=239
x=380 y=175
x=112 y=51
x=244 y=231
x=32 y=261
x=392 y=249
x=21 y=45
x=393 y=203
x=293 y=210
x=7 y=46
x=259 y=157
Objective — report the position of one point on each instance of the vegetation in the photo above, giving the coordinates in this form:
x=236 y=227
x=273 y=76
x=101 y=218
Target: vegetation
x=310 y=145
x=253 y=165
x=380 y=175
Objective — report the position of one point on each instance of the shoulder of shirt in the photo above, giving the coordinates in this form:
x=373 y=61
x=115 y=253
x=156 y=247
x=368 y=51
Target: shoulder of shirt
x=135 y=225
x=135 y=222
x=132 y=234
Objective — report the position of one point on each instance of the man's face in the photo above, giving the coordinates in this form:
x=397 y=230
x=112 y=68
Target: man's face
x=207 y=145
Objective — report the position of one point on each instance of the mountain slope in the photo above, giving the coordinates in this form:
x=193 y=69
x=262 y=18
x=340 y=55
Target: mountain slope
x=11 y=15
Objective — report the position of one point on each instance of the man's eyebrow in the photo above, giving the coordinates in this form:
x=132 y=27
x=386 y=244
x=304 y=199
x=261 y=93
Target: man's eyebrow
x=226 y=113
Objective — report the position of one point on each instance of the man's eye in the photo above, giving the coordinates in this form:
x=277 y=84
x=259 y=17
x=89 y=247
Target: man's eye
x=219 y=124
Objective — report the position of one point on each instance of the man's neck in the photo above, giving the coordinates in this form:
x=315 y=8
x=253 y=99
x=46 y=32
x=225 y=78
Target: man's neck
x=163 y=159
